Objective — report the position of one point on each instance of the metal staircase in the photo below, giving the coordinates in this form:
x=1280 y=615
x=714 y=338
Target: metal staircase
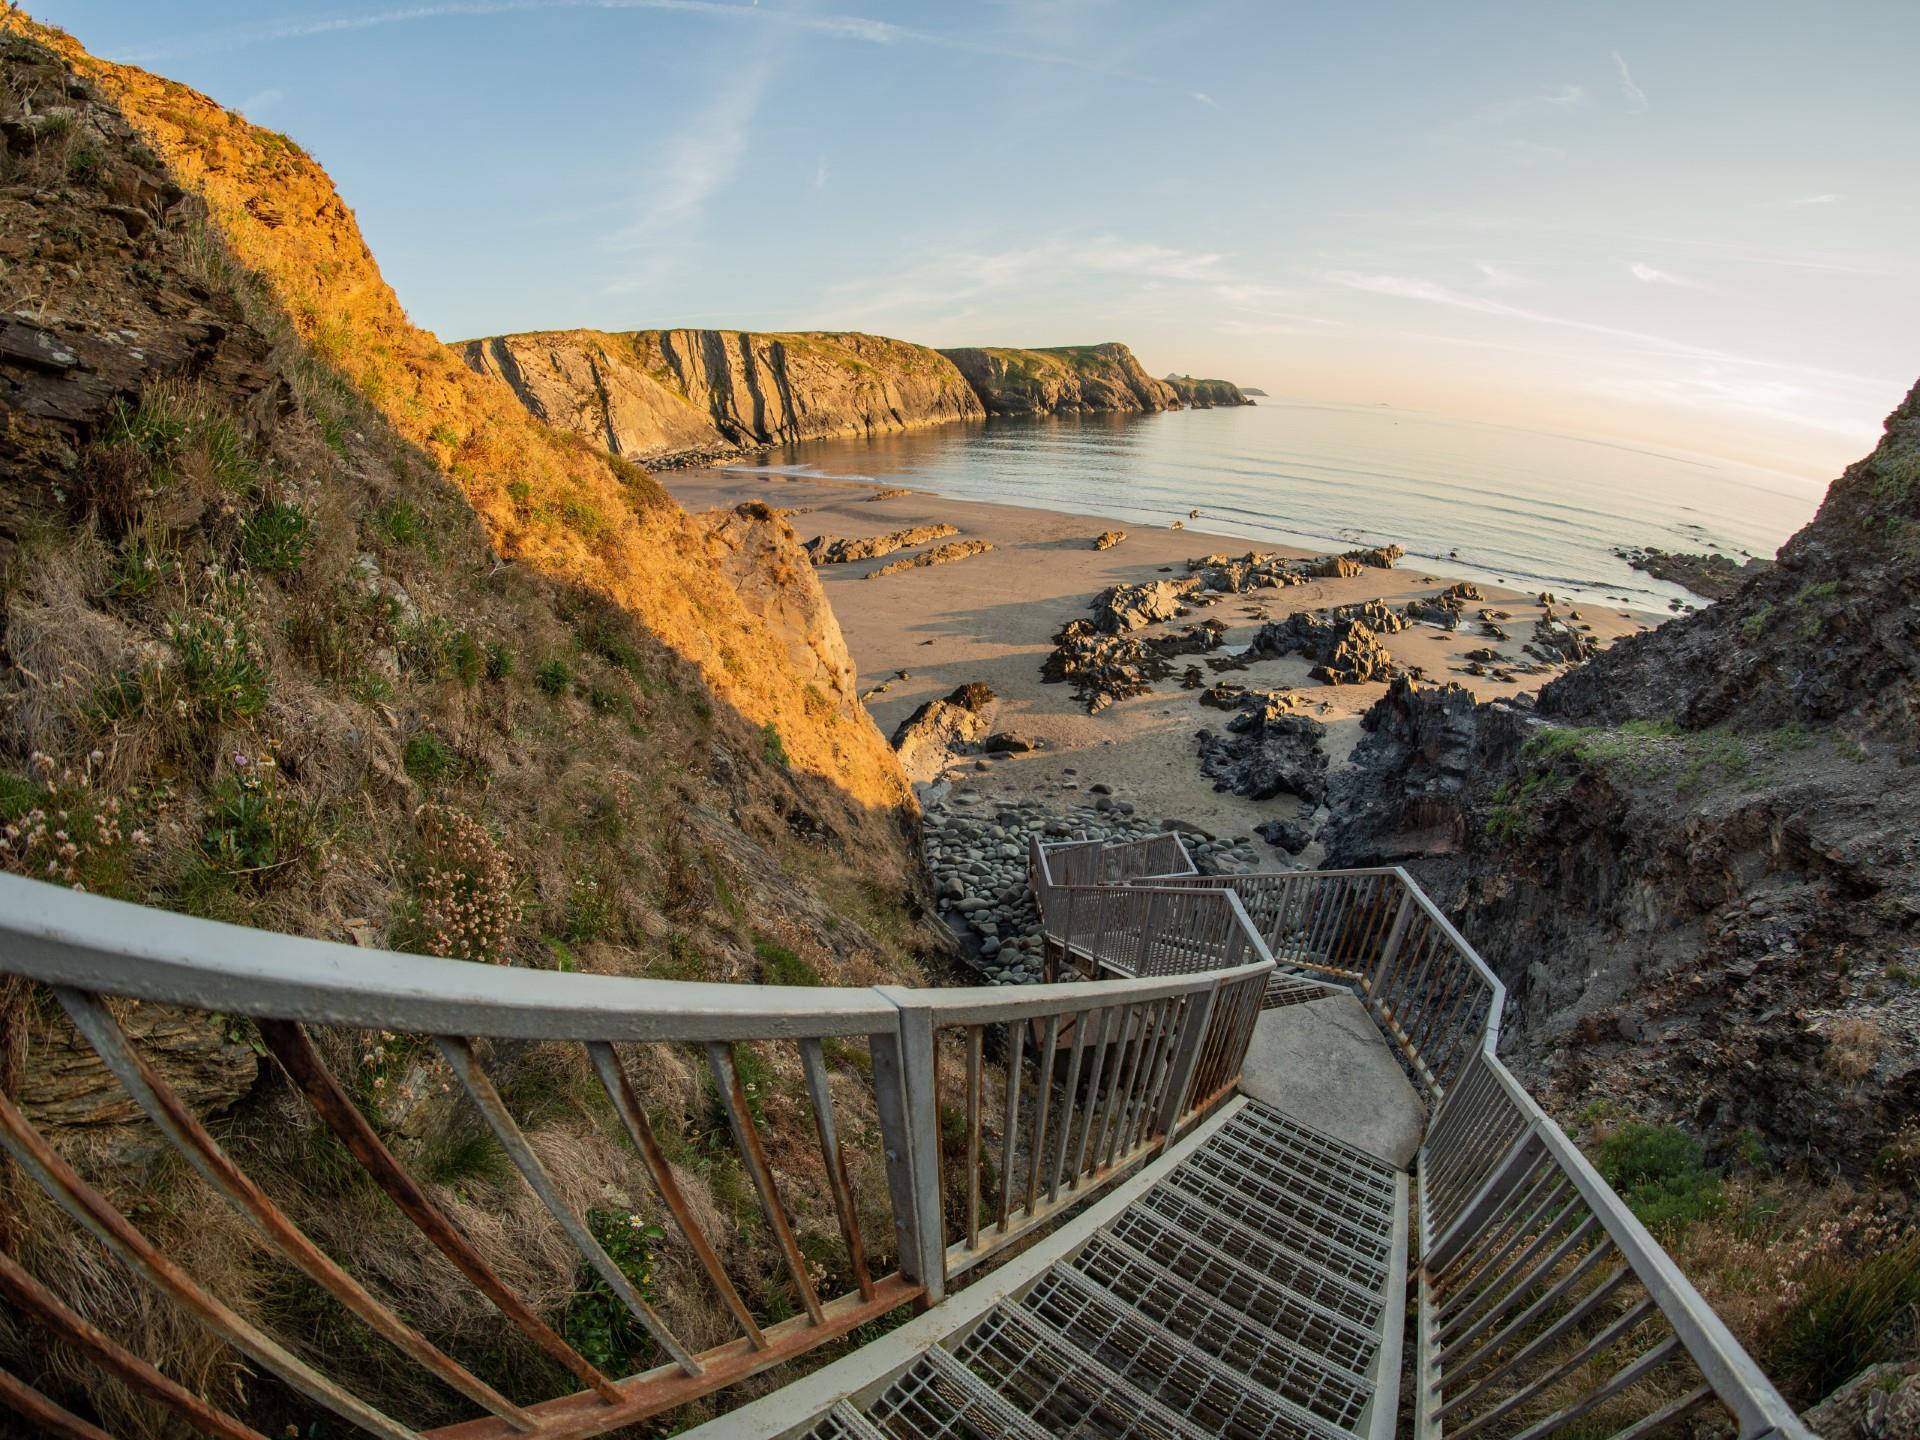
x=1176 y=1216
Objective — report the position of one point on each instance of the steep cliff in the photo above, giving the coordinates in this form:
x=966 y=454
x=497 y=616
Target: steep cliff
x=1205 y=394
x=668 y=396
x=1696 y=864
x=308 y=627
x=1062 y=381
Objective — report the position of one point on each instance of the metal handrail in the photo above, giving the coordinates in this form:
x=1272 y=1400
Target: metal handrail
x=1158 y=1052
x=1516 y=1226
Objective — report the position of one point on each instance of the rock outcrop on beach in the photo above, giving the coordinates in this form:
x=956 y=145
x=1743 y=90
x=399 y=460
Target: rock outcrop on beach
x=1205 y=394
x=823 y=551
x=1269 y=749
x=1062 y=381
x=663 y=397
x=940 y=555
x=1694 y=861
x=1712 y=576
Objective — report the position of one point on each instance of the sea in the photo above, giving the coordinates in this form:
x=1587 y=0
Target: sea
x=1530 y=509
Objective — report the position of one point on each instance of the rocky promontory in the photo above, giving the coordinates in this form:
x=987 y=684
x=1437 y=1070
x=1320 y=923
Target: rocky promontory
x=1205 y=394
x=1065 y=380
x=664 y=397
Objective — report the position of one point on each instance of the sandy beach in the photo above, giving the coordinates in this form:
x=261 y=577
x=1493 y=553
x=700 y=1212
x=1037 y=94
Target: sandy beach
x=992 y=617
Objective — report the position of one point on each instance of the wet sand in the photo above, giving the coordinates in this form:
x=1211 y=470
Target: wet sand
x=992 y=617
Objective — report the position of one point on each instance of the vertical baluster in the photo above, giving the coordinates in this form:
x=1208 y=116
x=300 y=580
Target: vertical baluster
x=1016 y=1047
x=1043 y=1107
x=1103 y=1057
x=613 y=1079
x=747 y=1141
x=480 y=1089
x=814 y=1063
x=974 y=1038
x=1132 y=1038
x=1081 y=1023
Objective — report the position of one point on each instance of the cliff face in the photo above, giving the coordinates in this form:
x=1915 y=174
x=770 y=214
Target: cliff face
x=666 y=396
x=1064 y=380
x=1205 y=394
x=1696 y=864
x=313 y=629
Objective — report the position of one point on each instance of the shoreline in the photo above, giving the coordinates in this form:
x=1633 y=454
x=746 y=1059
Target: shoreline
x=992 y=617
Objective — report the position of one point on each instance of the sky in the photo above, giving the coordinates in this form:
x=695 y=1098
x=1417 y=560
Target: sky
x=1694 y=223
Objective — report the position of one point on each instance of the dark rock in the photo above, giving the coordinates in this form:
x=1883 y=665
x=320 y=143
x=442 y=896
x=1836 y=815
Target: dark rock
x=1007 y=742
x=1267 y=751
x=1289 y=835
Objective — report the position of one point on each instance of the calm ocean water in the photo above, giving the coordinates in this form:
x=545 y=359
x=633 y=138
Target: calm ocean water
x=1526 y=508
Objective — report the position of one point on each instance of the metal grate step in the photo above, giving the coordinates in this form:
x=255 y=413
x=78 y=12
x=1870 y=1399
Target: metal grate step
x=1303 y=1140
x=1365 y=1234
x=1066 y=1390
x=1290 y=1366
x=1352 y=1195
x=1178 y=1375
x=1234 y=1283
x=1291 y=1237
x=941 y=1399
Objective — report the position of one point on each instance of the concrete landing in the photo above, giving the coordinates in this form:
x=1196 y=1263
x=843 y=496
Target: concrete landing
x=1326 y=1064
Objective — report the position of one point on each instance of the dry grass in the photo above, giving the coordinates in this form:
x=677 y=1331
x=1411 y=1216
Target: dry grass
x=1854 y=1047
x=627 y=822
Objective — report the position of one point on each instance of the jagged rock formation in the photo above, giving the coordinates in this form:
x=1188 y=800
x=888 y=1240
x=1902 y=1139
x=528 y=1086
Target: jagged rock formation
x=932 y=736
x=1343 y=643
x=1269 y=749
x=1204 y=394
x=823 y=551
x=1695 y=865
x=763 y=558
x=939 y=555
x=1712 y=576
x=1062 y=381
x=663 y=397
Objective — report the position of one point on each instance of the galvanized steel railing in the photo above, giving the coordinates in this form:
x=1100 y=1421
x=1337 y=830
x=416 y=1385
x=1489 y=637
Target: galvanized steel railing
x=1544 y=1304
x=1142 y=1058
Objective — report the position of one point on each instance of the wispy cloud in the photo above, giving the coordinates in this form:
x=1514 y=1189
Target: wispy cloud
x=1636 y=97
x=698 y=160
x=946 y=283
x=821 y=174
x=1205 y=99
x=1429 y=292
x=1557 y=101
x=1646 y=274
x=1492 y=277
x=1825 y=198
x=261 y=101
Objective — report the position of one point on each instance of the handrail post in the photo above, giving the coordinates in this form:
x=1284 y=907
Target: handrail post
x=1187 y=1046
x=1390 y=951
x=903 y=1082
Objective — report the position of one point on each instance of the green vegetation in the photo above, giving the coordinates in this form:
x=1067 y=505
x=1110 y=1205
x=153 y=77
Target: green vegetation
x=597 y=1322
x=772 y=746
x=275 y=538
x=780 y=966
x=1851 y=1316
x=1660 y=1171
x=399 y=523
x=428 y=760
x=554 y=678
